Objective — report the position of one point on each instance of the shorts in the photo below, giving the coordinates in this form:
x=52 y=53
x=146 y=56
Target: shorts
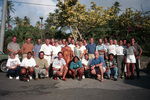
x=131 y=59
x=97 y=70
x=55 y=71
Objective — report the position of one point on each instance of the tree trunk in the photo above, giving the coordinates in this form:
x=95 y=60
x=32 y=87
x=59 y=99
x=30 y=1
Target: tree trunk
x=72 y=32
x=78 y=33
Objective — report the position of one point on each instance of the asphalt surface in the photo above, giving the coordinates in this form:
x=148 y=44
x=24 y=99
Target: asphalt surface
x=87 y=89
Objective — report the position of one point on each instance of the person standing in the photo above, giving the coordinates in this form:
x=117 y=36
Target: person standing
x=27 y=47
x=82 y=48
x=48 y=52
x=91 y=47
x=56 y=49
x=52 y=42
x=120 y=59
x=69 y=40
x=101 y=49
x=139 y=51
x=111 y=48
x=77 y=52
x=72 y=45
x=67 y=53
x=14 y=47
x=129 y=57
x=41 y=66
x=37 y=48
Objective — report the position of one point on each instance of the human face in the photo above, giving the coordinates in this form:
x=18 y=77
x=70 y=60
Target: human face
x=80 y=43
x=56 y=44
x=59 y=56
x=105 y=40
x=128 y=45
x=52 y=40
x=115 y=42
x=75 y=59
x=41 y=55
x=72 y=41
x=29 y=55
x=84 y=42
x=86 y=57
x=28 y=40
x=47 y=41
x=92 y=40
x=100 y=41
x=120 y=42
x=132 y=41
x=111 y=57
x=60 y=42
x=69 y=39
x=39 y=41
x=124 y=42
x=76 y=44
x=66 y=43
x=111 y=42
x=96 y=55
x=12 y=56
x=14 y=39
x=64 y=40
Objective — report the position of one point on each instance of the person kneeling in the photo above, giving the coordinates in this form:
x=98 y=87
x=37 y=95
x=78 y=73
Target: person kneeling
x=112 y=68
x=76 y=68
x=28 y=65
x=13 y=64
x=41 y=66
x=59 y=67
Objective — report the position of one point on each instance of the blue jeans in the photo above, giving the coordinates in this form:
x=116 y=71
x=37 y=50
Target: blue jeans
x=14 y=72
x=113 y=71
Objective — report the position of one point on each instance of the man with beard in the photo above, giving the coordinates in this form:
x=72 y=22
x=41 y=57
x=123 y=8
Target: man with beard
x=41 y=66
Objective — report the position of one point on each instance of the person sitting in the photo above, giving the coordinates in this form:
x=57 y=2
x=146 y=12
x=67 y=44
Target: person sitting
x=86 y=63
x=76 y=68
x=98 y=66
x=111 y=67
x=28 y=65
x=59 y=67
x=13 y=65
x=41 y=66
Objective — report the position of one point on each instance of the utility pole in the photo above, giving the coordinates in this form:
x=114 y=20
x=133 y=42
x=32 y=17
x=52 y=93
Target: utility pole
x=41 y=26
x=3 y=22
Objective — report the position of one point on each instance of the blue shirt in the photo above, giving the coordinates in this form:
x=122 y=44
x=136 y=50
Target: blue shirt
x=98 y=61
x=102 y=47
x=91 y=48
x=75 y=66
x=36 y=49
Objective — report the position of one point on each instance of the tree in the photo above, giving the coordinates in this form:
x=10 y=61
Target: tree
x=26 y=21
x=10 y=8
x=18 y=21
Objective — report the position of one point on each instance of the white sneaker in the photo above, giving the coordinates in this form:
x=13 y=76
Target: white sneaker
x=30 y=77
x=10 y=77
x=27 y=80
x=17 y=78
x=83 y=76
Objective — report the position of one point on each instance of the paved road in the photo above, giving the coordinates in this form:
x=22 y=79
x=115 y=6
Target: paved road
x=87 y=89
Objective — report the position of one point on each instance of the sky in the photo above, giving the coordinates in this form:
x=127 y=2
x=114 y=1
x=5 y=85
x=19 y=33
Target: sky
x=46 y=6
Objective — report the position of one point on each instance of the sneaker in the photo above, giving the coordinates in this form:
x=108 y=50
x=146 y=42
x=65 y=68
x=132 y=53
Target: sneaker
x=27 y=80
x=83 y=76
x=30 y=77
x=17 y=78
x=10 y=77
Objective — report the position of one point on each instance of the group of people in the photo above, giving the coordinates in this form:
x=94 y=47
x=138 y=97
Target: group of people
x=76 y=59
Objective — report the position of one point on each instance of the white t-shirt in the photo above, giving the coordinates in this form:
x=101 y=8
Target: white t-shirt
x=46 y=49
x=119 y=50
x=111 y=49
x=58 y=63
x=72 y=46
x=28 y=62
x=13 y=62
x=56 y=49
x=87 y=62
x=82 y=49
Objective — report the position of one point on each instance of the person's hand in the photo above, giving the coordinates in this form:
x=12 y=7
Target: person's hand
x=93 y=67
x=87 y=68
x=137 y=57
x=16 y=52
x=107 y=70
x=106 y=57
x=37 y=66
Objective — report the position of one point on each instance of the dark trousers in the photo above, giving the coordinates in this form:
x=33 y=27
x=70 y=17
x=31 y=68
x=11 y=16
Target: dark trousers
x=137 y=68
x=14 y=72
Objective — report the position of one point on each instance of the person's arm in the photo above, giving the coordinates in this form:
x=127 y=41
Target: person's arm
x=81 y=55
x=140 y=52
